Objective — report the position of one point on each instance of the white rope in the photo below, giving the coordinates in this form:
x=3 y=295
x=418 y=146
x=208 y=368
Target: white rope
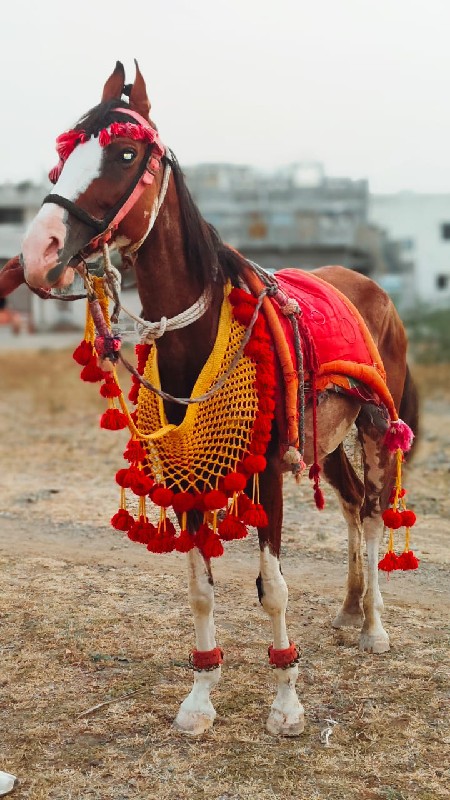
x=149 y=331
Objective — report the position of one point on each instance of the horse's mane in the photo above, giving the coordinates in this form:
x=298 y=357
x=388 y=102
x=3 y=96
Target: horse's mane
x=207 y=256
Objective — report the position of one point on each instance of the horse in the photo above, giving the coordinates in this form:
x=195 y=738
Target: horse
x=122 y=186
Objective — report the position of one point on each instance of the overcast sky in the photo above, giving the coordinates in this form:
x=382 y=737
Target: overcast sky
x=359 y=85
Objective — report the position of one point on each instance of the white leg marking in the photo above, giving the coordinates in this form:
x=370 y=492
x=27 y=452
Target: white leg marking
x=286 y=717
x=373 y=638
x=196 y=714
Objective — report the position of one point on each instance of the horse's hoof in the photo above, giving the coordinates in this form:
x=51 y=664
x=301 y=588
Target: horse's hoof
x=348 y=619
x=279 y=724
x=374 y=643
x=192 y=723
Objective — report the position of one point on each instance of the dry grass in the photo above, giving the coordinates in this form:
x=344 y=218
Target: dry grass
x=87 y=617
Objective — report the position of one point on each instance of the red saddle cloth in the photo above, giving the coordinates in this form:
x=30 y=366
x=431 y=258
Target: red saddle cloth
x=345 y=352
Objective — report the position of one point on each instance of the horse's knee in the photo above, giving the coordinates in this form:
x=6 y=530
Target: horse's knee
x=272 y=591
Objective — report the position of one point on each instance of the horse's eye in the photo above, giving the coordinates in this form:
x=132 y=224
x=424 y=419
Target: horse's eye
x=127 y=156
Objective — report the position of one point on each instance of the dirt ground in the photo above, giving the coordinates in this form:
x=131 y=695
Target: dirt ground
x=88 y=618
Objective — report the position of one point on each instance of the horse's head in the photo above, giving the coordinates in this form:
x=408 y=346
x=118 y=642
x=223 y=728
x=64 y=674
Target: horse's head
x=104 y=185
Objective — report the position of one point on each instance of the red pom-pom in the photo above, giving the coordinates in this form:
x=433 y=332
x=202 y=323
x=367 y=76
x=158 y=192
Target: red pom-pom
x=407 y=561
x=110 y=388
x=231 y=528
x=234 y=482
x=392 y=518
x=408 y=518
x=253 y=464
x=184 y=542
x=255 y=516
x=123 y=477
x=214 y=500
x=389 y=563
x=139 y=482
x=92 y=372
x=113 y=420
x=122 y=521
x=142 y=531
x=162 y=497
x=134 y=451
x=83 y=353
x=183 y=501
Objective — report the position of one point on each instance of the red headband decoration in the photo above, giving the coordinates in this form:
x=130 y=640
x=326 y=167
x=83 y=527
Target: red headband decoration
x=140 y=132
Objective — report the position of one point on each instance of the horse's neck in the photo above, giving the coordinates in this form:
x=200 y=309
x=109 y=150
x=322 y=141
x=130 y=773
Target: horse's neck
x=167 y=287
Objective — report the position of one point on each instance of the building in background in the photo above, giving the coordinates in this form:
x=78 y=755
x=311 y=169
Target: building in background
x=299 y=217
x=295 y=217
x=420 y=224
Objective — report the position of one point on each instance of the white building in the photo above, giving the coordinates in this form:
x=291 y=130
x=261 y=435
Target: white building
x=420 y=223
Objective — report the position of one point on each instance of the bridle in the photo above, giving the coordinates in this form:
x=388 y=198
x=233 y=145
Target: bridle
x=150 y=165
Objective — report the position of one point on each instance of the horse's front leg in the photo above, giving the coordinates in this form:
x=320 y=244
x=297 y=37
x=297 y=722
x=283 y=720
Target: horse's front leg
x=196 y=712
x=286 y=716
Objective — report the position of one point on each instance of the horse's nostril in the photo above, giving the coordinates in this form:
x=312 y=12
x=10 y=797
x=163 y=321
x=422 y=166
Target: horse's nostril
x=52 y=247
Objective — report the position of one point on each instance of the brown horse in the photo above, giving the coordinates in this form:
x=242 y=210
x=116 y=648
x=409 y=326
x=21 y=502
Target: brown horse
x=177 y=257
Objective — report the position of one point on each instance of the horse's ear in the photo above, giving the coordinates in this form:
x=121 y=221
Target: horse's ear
x=113 y=87
x=138 y=95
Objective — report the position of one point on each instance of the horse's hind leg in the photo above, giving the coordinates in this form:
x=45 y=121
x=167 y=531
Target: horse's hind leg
x=378 y=476
x=350 y=491
x=286 y=716
x=197 y=713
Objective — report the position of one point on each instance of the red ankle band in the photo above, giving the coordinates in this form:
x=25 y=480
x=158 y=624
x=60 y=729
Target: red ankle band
x=206 y=659
x=282 y=659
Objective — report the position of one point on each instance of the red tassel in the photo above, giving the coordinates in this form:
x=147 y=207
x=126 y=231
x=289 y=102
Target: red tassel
x=407 y=561
x=231 y=528
x=319 y=498
x=255 y=516
x=142 y=531
x=122 y=521
x=163 y=540
x=83 y=353
x=133 y=394
x=184 y=542
x=389 y=563
x=113 y=420
x=92 y=372
x=237 y=296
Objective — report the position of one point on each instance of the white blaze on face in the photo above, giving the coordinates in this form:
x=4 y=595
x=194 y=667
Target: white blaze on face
x=47 y=233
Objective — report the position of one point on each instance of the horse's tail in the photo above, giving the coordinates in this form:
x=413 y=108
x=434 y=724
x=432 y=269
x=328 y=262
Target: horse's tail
x=409 y=408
